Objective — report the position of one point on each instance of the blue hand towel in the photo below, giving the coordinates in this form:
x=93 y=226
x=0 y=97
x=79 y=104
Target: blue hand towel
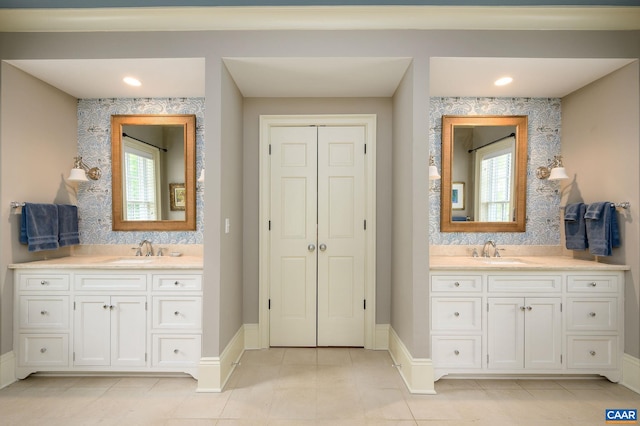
x=602 y=228
x=575 y=228
x=68 y=234
x=39 y=226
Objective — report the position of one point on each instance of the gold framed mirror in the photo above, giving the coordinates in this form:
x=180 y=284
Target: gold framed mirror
x=153 y=161
x=484 y=173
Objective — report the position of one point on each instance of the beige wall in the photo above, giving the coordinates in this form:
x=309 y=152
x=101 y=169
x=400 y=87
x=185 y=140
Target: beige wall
x=253 y=108
x=601 y=151
x=38 y=134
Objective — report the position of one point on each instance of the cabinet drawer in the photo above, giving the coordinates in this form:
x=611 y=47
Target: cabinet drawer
x=466 y=283
x=177 y=282
x=456 y=313
x=592 y=314
x=44 y=312
x=592 y=283
x=176 y=350
x=50 y=350
x=457 y=351
x=524 y=283
x=43 y=281
x=111 y=281
x=592 y=351
x=177 y=312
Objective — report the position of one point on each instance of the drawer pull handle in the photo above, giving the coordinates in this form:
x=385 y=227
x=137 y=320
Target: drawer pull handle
x=592 y=353
x=177 y=283
x=43 y=350
x=176 y=313
x=43 y=312
x=175 y=351
x=457 y=314
x=457 y=284
x=44 y=282
x=457 y=352
x=593 y=284
x=592 y=314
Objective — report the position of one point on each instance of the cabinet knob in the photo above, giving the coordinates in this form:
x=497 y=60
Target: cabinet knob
x=592 y=314
x=43 y=350
x=522 y=308
x=177 y=283
x=112 y=307
x=457 y=314
x=105 y=306
x=592 y=353
x=43 y=312
x=44 y=282
x=176 y=351
x=456 y=284
x=529 y=308
x=457 y=352
x=176 y=313
x=593 y=284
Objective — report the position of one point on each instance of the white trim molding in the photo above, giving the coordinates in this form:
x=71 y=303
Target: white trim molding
x=631 y=372
x=251 y=336
x=214 y=372
x=417 y=373
x=382 y=337
x=387 y=17
x=7 y=369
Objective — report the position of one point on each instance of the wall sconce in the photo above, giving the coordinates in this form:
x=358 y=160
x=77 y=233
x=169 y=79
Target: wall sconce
x=554 y=171
x=433 y=170
x=81 y=171
x=201 y=177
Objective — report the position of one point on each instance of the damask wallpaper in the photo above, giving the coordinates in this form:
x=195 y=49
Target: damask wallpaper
x=94 y=145
x=543 y=197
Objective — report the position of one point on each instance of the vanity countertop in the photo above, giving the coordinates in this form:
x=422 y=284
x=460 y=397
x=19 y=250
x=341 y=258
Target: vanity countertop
x=114 y=262
x=519 y=263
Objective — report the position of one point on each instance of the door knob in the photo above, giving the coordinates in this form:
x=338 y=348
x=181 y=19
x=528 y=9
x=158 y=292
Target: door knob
x=311 y=247
x=323 y=247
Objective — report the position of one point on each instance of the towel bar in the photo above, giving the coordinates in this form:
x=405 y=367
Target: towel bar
x=623 y=205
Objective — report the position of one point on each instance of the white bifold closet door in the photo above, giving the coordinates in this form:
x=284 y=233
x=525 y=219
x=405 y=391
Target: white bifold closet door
x=317 y=237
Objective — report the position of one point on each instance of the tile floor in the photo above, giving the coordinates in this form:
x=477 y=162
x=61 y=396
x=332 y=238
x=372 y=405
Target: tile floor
x=308 y=387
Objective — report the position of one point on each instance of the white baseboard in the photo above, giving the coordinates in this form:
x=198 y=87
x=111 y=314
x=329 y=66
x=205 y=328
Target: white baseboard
x=382 y=337
x=251 y=336
x=417 y=373
x=631 y=372
x=214 y=372
x=7 y=369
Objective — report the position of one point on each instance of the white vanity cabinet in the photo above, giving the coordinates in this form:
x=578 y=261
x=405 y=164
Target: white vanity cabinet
x=497 y=321
x=107 y=320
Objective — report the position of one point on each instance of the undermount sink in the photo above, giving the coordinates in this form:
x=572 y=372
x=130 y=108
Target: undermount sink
x=500 y=260
x=130 y=261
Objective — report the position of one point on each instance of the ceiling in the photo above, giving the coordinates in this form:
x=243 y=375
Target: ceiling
x=320 y=77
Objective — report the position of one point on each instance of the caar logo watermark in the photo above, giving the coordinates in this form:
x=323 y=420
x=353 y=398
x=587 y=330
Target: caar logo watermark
x=620 y=416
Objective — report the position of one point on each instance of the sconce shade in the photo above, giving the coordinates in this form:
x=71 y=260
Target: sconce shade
x=558 y=173
x=433 y=170
x=433 y=173
x=77 y=175
x=201 y=177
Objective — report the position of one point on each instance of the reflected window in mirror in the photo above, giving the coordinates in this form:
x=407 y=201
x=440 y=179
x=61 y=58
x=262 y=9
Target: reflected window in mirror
x=483 y=163
x=150 y=155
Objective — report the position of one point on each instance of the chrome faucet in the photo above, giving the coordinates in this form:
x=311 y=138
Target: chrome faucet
x=485 y=248
x=149 y=248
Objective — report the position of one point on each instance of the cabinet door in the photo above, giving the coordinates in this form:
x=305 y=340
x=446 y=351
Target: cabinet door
x=92 y=325
x=128 y=330
x=543 y=333
x=505 y=333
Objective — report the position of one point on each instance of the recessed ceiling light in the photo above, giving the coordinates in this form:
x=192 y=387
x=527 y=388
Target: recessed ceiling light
x=503 y=81
x=132 y=81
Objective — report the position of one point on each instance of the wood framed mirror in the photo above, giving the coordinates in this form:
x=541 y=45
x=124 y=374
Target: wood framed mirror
x=153 y=161
x=484 y=173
